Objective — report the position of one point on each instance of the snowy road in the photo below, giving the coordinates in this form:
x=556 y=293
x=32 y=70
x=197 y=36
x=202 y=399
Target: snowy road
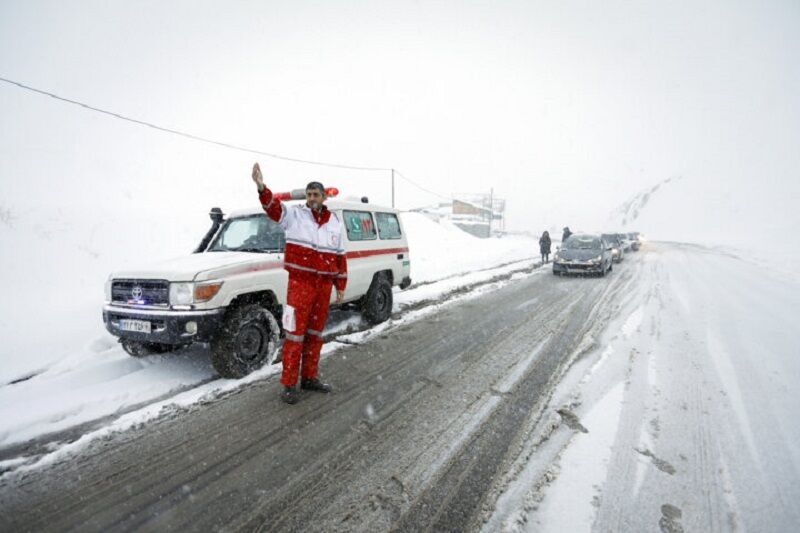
x=691 y=407
x=674 y=378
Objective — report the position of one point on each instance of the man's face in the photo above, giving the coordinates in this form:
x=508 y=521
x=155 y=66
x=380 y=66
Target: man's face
x=314 y=198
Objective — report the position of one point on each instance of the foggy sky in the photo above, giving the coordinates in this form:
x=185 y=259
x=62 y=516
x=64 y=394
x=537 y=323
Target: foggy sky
x=564 y=108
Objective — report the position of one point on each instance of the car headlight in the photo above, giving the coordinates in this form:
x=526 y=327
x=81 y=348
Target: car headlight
x=108 y=289
x=596 y=259
x=181 y=293
x=203 y=292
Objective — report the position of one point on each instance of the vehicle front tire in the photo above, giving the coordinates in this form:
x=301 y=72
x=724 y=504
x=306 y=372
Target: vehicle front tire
x=377 y=305
x=247 y=341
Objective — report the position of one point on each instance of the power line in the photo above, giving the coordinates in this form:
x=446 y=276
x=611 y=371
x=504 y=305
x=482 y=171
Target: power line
x=189 y=135
x=418 y=186
x=217 y=143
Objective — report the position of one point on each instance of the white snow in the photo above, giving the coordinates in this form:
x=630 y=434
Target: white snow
x=440 y=250
x=571 y=504
x=632 y=323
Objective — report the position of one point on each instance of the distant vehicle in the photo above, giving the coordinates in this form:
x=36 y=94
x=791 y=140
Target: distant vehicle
x=230 y=292
x=635 y=243
x=583 y=254
x=627 y=246
x=617 y=246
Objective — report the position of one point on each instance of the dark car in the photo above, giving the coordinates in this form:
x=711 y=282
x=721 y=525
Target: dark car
x=617 y=247
x=583 y=254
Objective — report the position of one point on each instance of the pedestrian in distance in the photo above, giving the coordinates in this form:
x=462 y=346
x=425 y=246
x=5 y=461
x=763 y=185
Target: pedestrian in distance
x=565 y=235
x=544 y=246
x=315 y=259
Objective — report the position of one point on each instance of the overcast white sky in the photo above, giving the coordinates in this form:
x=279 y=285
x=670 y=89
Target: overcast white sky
x=565 y=108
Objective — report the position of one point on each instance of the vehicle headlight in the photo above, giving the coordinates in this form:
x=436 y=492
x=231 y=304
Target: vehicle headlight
x=596 y=259
x=180 y=293
x=108 y=289
x=203 y=292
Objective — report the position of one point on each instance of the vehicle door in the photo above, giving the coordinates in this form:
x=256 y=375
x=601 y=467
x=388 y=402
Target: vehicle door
x=363 y=250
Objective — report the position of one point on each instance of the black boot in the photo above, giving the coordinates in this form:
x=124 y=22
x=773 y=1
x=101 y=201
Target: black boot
x=290 y=395
x=314 y=384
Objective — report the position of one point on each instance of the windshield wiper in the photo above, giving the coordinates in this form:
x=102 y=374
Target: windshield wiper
x=248 y=249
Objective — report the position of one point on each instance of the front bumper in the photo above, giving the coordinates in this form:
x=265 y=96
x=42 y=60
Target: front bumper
x=166 y=327
x=577 y=268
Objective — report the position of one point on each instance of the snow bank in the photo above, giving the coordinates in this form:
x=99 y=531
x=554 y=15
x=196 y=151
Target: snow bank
x=440 y=249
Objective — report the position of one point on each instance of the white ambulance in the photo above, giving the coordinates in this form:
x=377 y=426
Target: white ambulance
x=230 y=291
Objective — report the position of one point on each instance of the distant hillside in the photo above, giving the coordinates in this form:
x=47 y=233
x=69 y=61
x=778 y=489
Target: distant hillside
x=629 y=211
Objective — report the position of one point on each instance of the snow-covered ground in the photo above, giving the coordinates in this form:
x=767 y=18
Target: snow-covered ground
x=77 y=373
x=686 y=417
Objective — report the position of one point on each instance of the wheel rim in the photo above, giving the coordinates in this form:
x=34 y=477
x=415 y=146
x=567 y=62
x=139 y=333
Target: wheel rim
x=382 y=300
x=250 y=342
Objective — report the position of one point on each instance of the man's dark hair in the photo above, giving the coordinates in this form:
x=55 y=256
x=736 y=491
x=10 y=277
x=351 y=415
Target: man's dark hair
x=316 y=185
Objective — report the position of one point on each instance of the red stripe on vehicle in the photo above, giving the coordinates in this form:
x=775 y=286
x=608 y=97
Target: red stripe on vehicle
x=367 y=253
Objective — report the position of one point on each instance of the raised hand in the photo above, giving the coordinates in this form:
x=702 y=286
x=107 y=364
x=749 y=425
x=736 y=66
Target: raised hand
x=258 y=178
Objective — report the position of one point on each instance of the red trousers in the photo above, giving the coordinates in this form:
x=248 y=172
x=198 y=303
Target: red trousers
x=304 y=317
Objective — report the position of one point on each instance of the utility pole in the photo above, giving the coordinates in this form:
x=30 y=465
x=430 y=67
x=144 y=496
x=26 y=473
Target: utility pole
x=491 y=209
x=392 y=188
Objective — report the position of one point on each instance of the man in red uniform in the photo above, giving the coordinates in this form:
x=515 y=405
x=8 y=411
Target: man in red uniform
x=315 y=260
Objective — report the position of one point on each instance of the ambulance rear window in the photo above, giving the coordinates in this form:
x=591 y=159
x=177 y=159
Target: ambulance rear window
x=360 y=226
x=388 y=225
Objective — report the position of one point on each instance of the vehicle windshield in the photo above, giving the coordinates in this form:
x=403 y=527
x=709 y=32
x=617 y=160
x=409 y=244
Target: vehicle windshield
x=582 y=243
x=255 y=233
x=611 y=239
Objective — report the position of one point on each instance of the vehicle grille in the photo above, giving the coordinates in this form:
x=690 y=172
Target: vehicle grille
x=154 y=292
x=579 y=266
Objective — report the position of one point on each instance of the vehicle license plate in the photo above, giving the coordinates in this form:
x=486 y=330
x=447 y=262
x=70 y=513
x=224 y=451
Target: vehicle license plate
x=139 y=326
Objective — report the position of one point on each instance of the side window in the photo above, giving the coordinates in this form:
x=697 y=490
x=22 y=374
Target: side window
x=388 y=225
x=360 y=226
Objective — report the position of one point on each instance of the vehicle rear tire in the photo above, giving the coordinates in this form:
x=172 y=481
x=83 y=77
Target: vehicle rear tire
x=143 y=349
x=377 y=305
x=247 y=341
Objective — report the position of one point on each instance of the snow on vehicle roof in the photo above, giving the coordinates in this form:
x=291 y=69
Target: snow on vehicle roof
x=332 y=204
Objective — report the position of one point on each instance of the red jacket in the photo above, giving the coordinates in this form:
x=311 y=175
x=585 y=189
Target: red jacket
x=313 y=239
